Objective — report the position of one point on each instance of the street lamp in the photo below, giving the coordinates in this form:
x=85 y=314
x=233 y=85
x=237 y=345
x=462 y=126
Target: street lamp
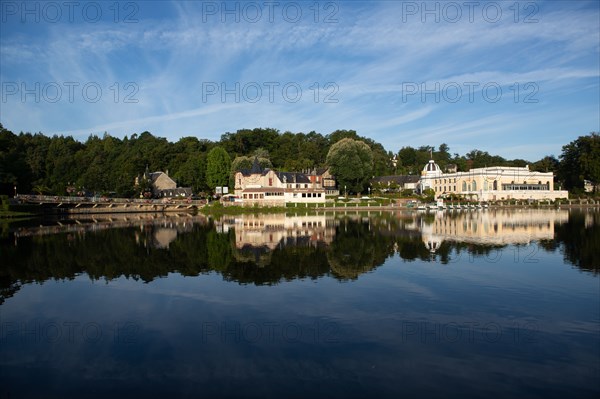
x=15 y=191
x=345 y=191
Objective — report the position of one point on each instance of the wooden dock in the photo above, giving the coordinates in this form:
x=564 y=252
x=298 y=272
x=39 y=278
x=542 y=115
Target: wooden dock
x=85 y=205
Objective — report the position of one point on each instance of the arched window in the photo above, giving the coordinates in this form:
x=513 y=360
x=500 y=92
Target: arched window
x=474 y=186
x=495 y=184
x=464 y=187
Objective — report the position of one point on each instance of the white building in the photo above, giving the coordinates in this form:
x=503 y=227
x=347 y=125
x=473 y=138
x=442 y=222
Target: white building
x=268 y=187
x=491 y=184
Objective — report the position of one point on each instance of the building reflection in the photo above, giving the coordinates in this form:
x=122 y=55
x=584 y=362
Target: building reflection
x=278 y=230
x=257 y=236
x=491 y=227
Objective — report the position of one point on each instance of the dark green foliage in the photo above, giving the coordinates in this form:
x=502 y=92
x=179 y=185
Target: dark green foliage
x=218 y=165
x=579 y=161
x=351 y=161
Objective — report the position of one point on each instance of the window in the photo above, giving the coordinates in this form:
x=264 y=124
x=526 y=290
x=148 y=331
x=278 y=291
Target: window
x=270 y=181
x=464 y=186
x=495 y=184
x=485 y=185
x=474 y=186
x=303 y=195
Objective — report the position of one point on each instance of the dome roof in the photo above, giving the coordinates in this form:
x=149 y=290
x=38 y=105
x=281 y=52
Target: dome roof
x=431 y=169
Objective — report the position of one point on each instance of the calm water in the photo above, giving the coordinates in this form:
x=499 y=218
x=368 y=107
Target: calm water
x=472 y=304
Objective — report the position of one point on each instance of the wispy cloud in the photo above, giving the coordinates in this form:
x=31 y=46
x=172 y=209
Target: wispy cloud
x=369 y=53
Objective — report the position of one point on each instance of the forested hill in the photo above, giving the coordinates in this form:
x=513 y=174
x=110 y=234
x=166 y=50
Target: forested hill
x=38 y=163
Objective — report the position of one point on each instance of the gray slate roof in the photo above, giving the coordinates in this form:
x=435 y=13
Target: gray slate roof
x=293 y=177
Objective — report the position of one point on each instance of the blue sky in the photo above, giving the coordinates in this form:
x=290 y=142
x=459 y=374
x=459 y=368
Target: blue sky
x=514 y=79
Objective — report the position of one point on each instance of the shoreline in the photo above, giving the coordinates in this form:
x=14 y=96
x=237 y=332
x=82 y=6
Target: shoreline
x=233 y=210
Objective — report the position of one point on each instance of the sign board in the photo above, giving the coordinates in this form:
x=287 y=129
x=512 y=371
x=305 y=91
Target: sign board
x=221 y=190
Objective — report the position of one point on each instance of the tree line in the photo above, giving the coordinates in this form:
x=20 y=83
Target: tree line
x=37 y=163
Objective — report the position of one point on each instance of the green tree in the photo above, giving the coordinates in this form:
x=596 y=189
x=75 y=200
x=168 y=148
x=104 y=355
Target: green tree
x=351 y=161
x=547 y=164
x=218 y=165
x=579 y=161
x=428 y=195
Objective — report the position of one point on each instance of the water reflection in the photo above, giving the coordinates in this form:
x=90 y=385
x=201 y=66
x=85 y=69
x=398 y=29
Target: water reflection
x=268 y=249
x=495 y=227
x=257 y=236
x=304 y=306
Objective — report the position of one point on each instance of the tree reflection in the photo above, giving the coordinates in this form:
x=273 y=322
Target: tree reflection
x=353 y=252
x=580 y=240
x=356 y=245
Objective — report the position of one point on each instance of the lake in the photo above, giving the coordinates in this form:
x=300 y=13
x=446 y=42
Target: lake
x=481 y=303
